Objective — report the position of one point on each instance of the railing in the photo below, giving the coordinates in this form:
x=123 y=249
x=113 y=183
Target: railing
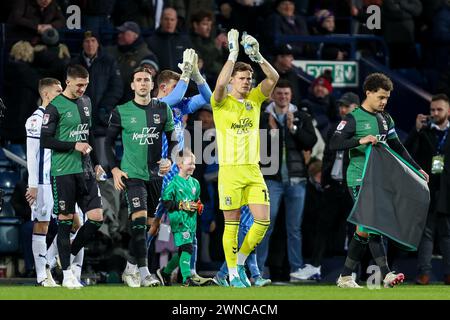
x=351 y=40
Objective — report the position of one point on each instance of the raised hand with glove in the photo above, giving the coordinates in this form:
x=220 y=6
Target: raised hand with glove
x=187 y=65
x=251 y=48
x=196 y=76
x=233 y=44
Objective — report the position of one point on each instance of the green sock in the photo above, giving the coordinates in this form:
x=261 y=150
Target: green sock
x=173 y=263
x=185 y=265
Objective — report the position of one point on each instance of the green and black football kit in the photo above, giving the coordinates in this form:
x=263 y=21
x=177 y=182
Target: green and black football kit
x=359 y=124
x=356 y=125
x=66 y=122
x=141 y=128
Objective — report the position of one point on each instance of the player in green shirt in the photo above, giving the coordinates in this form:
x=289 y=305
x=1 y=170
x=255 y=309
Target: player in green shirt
x=368 y=124
x=181 y=198
x=141 y=122
x=66 y=131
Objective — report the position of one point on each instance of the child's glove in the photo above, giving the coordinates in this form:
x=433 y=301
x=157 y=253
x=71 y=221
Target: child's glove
x=189 y=206
x=199 y=207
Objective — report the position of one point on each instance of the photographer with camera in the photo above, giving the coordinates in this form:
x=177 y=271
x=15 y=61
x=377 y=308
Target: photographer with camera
x=428 y=143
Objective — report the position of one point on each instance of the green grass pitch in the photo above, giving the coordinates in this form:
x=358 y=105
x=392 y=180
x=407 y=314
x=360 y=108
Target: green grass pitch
x=299 y=292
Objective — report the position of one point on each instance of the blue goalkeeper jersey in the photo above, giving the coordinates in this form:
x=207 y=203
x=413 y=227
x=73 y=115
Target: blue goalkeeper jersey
x=180 y=106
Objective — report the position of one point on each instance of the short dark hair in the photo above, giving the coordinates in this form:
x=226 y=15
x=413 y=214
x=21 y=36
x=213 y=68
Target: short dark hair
x=283 y=83
x=376 y=81
x=77 y=71
x=167 y=75
x=241 y=66
x=440 y=96
x=47 y=82
x=201 y=14
x=141 y=69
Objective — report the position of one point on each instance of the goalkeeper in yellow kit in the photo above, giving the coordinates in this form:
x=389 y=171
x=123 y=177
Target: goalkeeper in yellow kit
x=236 y=115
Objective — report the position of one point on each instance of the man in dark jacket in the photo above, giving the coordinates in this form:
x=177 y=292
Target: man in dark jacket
x=428 y=144
x=205 y=45
x=321 y=104
x=167 y=42
x=295 y=133
x=32 y=17
x=105 y=87
x=129 y=52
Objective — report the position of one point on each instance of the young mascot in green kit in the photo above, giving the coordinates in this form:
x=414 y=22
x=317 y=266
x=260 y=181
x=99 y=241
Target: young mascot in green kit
x=182 y=201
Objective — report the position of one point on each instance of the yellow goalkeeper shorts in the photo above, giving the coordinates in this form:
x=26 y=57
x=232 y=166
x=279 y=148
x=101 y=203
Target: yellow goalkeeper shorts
x=241 y=185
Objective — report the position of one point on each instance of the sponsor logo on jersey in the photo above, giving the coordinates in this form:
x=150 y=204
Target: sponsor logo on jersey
x=381 y=137
x=156 y=119
x=81 y=133
x=146 y=136
x=46 y=118
x=243 y=125
x=341 y=125
x=136 y=202
x=228 y=201
x=62 y=205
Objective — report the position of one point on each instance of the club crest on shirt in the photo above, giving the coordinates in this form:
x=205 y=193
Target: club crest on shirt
x=136 y=202
x=248 y=105
x=367 y=126
x=69 y=114
x=341 y=125
x=194 y=190
x=186 y=235
x=133 y=120
x=156 y=119
x=86 y=111
x=62 y=205
x=385 y=126
x=45 y=119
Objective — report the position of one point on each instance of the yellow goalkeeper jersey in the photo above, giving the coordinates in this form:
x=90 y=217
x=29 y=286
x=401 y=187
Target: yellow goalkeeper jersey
x=237 y=128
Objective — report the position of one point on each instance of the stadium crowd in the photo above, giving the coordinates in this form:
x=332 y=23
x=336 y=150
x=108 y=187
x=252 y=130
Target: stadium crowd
x=117 y=37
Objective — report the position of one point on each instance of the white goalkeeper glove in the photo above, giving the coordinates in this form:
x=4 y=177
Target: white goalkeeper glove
x=196 y=76
x=251 y=48
x=233 y=44
x=187 y=65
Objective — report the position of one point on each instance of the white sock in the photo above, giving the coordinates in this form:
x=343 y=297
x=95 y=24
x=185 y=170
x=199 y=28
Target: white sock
x=52 y=252
x=131 y=268
x=67 y=274
x=193 y=272
x=232 y=272
x=241 y=258
x=143 y=271
x=39 y=247
x=77 y=264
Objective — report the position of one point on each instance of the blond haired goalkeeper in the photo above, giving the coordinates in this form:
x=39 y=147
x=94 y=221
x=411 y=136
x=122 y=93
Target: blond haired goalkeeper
x=236 y=115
